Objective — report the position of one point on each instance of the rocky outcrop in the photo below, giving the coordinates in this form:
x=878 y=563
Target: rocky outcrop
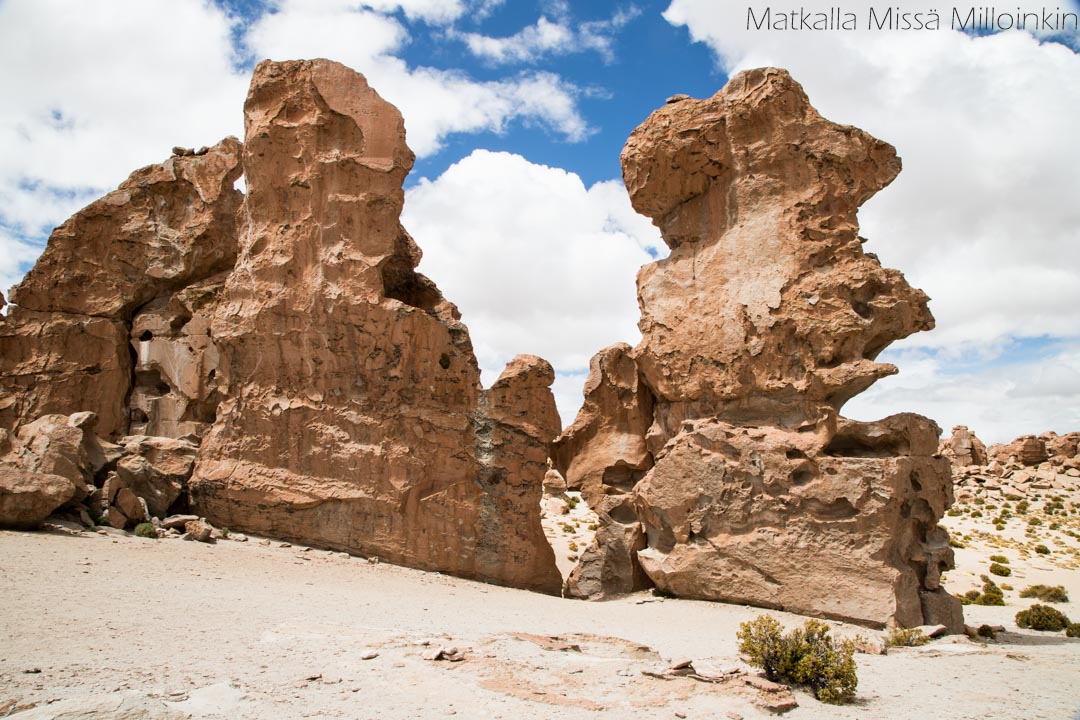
x=64 y=346
x=720 y=433
x=50 y=462
x=353 y=415
x=1023 y=469
x=963 y=448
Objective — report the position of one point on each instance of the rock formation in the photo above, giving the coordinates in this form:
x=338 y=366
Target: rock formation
x=65 y=343
x=282 y=348
x=1017 y=470
x=353 y=415
x=963 y=448
x=719 y=435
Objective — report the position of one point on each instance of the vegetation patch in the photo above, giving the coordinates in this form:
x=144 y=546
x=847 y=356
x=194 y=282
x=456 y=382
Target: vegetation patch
x=1042 y=617
x=805 y=656
x=1046 y=593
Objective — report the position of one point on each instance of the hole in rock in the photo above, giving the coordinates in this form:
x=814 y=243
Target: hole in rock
x=146 y=336
x=622 y=476
x=402 y=283
x=569 y=526
x=151 y=383
x=859 y=446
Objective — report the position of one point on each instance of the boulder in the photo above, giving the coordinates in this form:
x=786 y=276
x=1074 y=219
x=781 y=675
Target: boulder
x=156 y=469
x=353 y=416
x=719 y=434
x=963 y=448
x=27 y=498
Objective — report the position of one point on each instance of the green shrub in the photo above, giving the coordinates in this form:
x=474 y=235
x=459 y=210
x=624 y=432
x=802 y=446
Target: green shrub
x=954 y=512
x=906 y=637
x=991 y=594
x=1042 y=617
x=805 y=656
x=976 y=513
x=1022 y=507
x=953 y=542
x=999 y=526
x=146 y=530
x=1000 y=570
x=985 y=631
x=1006 y=586
x=1046 y=593
x=999 y=559
x=1073 y=630
x=572 y=501
x=1034 y=521
x=1042 y=549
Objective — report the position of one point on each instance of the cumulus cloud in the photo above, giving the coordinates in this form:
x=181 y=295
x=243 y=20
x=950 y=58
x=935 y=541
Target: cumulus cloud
x=92 y=92
x=559 y=36
x=536 y=262
x=984 y=216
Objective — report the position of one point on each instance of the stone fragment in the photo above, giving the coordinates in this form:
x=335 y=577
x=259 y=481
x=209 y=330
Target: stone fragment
x=199 y=530
x=353 y=417
x=156 y=469
x=27 y=498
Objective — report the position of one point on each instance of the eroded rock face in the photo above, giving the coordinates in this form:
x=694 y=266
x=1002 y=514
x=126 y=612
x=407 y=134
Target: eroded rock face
x=964 y=448
x=764 y=320
x=353 y=415
x=64 y=345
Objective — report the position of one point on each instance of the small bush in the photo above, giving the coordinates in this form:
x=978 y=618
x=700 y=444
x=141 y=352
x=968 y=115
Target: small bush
x=146 y=530
x=1073 y=630
x=1046 y=593
x=999 y=559
x=573 y=501
x=953 y=542
x=1042 y=617
x=906 y=637
x=991 y=594
x=954 y=512
x=976 y=513
x=1042 y=549
x=1022 y=507
x=1006 y=586
x=985 y=631
x=1034 y=521
x=805 y=656
x=1000 y=570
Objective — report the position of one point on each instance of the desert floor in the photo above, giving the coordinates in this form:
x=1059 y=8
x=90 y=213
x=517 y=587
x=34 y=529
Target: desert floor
x=115 y=626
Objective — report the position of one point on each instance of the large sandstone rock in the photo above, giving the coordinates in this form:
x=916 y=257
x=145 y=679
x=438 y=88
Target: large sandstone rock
x=64 y=345
x=722 y=426
x=353 y=415
x=50 y=462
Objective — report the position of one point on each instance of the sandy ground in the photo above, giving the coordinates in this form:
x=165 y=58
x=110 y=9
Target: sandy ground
x=114 y=626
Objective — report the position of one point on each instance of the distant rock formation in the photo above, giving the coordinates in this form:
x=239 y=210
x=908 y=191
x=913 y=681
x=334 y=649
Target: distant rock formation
x=963 y=448
x=714 y=450
x=1047 y=462
x=275 y=359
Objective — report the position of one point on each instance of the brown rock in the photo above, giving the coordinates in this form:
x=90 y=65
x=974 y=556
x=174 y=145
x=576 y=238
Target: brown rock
x=354 y=417
x=133 y=508
x=175 y=390
x=963 y=448
x=1027 y=450
x=64 y=346
x=27 y=498
x=722 y=424
x=156 y=470
x=199 y=530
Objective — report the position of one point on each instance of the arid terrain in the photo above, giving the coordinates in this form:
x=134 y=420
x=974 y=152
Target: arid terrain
x=125 y=627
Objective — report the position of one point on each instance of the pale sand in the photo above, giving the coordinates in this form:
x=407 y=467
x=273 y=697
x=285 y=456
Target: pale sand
x=234 y=630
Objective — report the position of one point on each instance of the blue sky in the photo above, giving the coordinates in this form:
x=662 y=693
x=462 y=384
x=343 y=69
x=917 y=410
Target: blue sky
x=518 y=110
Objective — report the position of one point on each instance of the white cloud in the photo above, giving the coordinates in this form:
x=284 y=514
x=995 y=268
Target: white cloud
x=94 y=91
x=997 y=402
x=435 y=103
x=562 y=35
x=437 y=12
x=984 y=216
x=537 y=262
